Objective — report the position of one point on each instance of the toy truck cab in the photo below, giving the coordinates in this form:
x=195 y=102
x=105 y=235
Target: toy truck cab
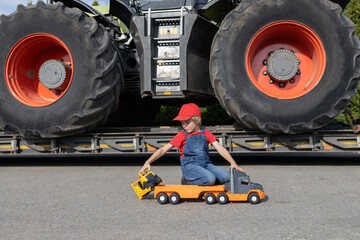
x=240 y=183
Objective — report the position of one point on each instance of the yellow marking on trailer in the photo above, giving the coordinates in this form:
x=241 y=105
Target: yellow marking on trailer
x=252 y=143
x=275 y=144
x=167 y=93
x=122 y=145
x=127 y=145
x=349 y=143
x=324 y=144
x=43 y=146
x=5 y=146
x=279 y=145
x=153 y=148
x=295 y=143
x=84 y=145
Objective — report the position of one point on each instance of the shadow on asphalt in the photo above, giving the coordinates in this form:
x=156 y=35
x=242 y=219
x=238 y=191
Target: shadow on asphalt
x=243 y=159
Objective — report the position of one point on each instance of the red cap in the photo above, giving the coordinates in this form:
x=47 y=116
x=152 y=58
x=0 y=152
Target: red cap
x=187 y=111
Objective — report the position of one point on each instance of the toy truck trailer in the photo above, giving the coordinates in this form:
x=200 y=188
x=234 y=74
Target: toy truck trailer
x=240 y=188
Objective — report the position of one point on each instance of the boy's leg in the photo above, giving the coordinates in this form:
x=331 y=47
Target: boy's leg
x=222 y=175
x=199 y=176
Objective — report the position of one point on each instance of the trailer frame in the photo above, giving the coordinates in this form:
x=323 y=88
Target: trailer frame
x=143 y=141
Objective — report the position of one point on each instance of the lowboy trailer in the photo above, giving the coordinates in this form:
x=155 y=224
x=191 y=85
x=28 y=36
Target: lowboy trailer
x=141 y=141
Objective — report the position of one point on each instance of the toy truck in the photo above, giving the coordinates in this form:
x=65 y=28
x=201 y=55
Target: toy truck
x=240 y=188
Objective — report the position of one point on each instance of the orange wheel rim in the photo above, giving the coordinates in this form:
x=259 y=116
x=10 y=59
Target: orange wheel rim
x=293 y=49
x=39 y=70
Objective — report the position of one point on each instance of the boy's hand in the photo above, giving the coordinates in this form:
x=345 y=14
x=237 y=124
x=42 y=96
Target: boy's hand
x=145 y=167
x=235 y=166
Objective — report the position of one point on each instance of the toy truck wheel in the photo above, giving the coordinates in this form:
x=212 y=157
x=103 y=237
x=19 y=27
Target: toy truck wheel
x=162 y=198
x=254 y=198
x=210 y=198
x=174 y=198
x=222 y=198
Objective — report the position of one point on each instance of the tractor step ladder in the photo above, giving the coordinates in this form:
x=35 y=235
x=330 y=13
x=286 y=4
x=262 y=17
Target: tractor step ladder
x=165 y=28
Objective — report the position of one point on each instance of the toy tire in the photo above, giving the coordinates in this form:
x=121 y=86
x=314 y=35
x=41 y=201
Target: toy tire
x=254 y=198
x=174 y=198
x=162 y=198
x=222 y=198
x=210 y=198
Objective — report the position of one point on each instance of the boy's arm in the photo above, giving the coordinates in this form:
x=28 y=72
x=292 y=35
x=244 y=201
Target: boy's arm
x=225 y=154
x=156 y=155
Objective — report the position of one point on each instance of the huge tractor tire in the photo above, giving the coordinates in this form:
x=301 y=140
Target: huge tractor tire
x=285 y=66
x=61 y=72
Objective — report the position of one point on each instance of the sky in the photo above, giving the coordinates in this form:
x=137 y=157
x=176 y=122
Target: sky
x=9 y=6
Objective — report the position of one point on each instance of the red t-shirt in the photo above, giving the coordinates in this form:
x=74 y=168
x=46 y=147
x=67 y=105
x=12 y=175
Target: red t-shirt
x=179 y=140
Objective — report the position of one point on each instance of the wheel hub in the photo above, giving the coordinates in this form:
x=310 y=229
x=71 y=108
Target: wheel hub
x=282 y=65
x=52 y=74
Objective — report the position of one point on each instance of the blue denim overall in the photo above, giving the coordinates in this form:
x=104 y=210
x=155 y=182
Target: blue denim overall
x=196 y=165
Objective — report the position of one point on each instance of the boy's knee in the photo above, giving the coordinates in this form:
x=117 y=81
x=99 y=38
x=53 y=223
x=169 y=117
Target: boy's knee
x=209 y=180
x=222 y=179
x=225 y=178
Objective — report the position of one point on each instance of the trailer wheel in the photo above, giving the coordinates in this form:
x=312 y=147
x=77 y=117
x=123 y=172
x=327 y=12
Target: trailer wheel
x=174 y=198
x=291 y=71
x=254 y=198
x=61 y=72
x=162 y=198
x=210 y=198
x=222 y=198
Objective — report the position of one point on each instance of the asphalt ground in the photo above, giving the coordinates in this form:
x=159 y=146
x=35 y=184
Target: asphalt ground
x=91 y=198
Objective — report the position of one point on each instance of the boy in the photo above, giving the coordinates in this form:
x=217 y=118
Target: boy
x=194 y=142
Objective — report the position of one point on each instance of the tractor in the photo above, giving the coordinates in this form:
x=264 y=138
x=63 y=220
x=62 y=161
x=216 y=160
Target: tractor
x=279 y=66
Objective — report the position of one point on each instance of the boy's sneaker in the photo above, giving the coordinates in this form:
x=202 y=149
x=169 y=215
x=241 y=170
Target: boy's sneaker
x=184 y=181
